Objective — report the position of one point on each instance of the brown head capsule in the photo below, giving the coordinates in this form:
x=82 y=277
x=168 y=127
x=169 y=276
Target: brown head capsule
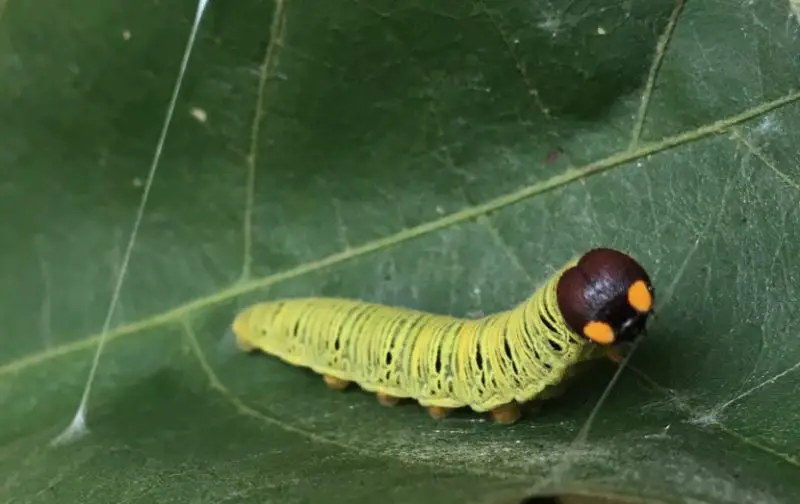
x=607 y=297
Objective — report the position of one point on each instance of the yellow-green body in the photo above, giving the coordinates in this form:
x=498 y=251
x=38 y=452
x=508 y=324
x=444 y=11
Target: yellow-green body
x=438 y=360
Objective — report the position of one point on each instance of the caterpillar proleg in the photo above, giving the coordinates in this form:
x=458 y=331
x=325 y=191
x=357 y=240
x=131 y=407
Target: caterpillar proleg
x=592 y=305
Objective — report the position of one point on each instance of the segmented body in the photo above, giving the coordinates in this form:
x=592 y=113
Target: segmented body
x=438 y=360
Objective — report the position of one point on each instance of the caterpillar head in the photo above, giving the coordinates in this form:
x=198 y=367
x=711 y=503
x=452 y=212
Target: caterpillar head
x=606 y=297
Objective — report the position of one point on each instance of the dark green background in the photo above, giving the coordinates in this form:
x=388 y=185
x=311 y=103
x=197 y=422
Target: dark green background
x=442 y=155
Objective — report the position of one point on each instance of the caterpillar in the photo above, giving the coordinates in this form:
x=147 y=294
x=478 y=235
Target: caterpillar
x=591 y=307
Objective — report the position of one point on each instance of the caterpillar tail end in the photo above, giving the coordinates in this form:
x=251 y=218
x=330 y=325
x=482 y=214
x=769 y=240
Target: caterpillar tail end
x=241 y=331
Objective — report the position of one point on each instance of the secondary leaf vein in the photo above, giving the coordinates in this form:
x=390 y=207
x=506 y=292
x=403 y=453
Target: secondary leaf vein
x=501 y=242
x=661 y=49
x=757 y=152
x=533 y=92
x=684 y=406
x=247 y=410
x=173 y=315
x=270 y=57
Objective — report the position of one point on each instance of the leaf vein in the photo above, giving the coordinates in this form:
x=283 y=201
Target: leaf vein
x=247 y=410
x=713 y=219
x=533 y=92
x=501 y=242
x=174 y=314
x=684 y=406
x=270 y=58
x=757 y=152
x=658 y=58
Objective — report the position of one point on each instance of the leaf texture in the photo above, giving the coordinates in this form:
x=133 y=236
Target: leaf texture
x=446 y=156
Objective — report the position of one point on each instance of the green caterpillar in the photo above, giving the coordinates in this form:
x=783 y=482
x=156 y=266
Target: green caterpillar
x=587 y=309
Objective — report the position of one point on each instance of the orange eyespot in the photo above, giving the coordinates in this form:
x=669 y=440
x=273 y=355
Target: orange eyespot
x=639 y=297
x=599 y=332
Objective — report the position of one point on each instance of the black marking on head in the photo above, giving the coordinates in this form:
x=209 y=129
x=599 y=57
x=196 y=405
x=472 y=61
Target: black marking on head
x=596 y=289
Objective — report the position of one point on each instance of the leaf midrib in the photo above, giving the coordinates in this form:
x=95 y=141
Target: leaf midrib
x=178 y=314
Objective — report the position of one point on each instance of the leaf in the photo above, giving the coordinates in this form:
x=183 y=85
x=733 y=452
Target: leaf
x=443 y=155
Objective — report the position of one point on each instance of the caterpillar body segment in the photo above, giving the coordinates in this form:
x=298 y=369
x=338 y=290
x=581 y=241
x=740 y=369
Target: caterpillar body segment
x=492 y=363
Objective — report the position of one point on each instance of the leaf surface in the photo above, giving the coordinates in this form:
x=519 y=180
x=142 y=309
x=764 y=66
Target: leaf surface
x=446 y=156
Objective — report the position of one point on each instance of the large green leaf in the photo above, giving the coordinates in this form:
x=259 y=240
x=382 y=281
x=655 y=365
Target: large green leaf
x=441 y=155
